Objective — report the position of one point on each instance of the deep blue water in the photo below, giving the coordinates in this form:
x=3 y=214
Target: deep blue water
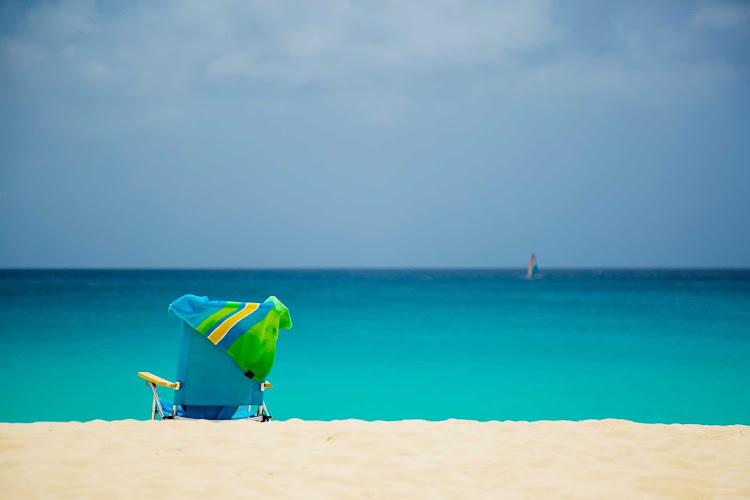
x=648 y=345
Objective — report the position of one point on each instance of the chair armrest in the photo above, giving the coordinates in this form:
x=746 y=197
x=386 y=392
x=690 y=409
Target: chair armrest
x=150 y=377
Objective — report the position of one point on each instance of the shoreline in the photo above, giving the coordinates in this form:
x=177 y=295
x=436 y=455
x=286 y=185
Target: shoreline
x=355 y=458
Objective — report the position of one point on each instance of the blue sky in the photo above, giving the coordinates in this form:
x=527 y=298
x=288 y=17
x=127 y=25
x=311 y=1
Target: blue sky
x=374 y=134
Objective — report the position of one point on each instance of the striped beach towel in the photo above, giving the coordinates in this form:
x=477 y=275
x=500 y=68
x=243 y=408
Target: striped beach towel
x=247 y=331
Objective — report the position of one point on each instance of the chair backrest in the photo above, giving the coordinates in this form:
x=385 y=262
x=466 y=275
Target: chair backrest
x=210 y=377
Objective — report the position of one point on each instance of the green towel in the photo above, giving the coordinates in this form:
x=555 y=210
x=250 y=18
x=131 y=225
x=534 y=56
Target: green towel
x=247 y=331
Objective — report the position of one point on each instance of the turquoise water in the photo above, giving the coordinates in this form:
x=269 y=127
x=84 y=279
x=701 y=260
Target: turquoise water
x=649 y=346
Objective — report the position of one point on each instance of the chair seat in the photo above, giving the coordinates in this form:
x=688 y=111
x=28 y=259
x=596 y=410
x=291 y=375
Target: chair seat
x=206 y=412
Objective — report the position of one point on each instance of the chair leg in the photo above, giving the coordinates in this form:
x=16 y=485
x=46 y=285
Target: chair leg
x=155 y=404
x=264 y=413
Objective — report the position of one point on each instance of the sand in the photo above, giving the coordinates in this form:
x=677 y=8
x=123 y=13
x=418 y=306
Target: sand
x=356 y=459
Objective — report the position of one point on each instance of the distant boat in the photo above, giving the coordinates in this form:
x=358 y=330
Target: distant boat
x=533 y=270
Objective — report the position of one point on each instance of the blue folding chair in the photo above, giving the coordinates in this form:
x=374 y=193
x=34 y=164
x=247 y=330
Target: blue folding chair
x=210 y=384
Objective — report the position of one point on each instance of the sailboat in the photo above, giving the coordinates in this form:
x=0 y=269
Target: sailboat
x=532 y=271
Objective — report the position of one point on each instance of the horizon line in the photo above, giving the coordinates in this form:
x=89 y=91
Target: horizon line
x=386 y=268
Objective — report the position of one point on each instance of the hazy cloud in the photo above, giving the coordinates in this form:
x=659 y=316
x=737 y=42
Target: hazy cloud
x=193 y=46
x=723 y=15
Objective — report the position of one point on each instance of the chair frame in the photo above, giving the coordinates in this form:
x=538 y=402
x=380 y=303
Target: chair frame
x=153 y=381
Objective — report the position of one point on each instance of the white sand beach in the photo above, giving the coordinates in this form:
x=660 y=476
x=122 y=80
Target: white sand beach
x=357 y=459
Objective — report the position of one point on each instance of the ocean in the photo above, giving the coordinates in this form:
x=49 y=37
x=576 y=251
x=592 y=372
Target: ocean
x=668 y=346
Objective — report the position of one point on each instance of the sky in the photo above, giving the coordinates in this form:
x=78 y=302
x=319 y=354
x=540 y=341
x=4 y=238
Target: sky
x=428 y=133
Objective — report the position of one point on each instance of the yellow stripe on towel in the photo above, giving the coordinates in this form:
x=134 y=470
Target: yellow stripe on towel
x=226 y=325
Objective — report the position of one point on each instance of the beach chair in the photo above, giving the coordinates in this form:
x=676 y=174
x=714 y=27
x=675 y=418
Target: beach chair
x=226 y=351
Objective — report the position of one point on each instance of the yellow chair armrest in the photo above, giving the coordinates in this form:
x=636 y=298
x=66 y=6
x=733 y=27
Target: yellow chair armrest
x=150 y=377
